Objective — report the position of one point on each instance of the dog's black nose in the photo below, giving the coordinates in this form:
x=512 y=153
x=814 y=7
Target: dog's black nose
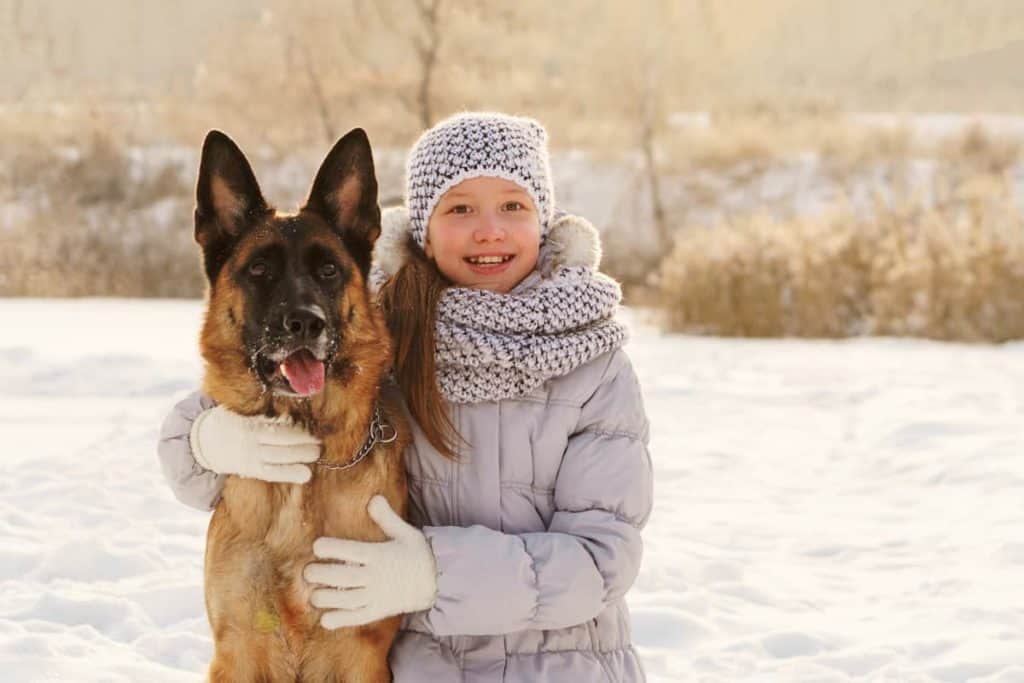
x=304 y=323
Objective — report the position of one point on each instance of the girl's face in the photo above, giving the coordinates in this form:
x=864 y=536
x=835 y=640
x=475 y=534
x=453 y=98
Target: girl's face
x=484 y=233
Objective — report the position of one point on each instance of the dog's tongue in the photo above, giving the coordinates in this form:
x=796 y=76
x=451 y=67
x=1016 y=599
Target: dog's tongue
x=304 y=373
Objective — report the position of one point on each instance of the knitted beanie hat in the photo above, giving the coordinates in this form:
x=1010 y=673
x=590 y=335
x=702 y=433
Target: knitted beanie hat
x=472 y=145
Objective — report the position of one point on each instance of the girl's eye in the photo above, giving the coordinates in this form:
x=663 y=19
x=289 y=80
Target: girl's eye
x=258 y=269
x=460 y=208
x=513 y=206
x=327 y=271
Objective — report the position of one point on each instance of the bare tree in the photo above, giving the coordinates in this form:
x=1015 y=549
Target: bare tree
x=427 y=49
x=399 y=63
x=638 y=85
x=423 y=33
x=315 y=79
x=650 y=119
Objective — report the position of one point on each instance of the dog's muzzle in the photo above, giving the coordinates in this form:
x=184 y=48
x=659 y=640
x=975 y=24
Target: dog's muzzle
x=294 y=363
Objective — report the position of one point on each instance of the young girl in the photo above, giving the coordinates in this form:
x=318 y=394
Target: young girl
x=529 y=476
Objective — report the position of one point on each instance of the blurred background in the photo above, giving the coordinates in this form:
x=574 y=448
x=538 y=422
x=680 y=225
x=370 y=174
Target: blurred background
x=756 y=167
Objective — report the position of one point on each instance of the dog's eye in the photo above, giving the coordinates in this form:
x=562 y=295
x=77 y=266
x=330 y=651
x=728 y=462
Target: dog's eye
x=258 y=269
x=327 y=271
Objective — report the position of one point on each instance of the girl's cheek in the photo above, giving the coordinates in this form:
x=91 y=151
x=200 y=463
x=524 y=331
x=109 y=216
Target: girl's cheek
x=439 y=237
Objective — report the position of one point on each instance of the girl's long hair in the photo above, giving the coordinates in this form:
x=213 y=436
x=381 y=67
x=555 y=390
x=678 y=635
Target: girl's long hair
x=409 y=300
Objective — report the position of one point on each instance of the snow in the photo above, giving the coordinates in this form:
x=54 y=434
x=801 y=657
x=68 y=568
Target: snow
x=825 y=511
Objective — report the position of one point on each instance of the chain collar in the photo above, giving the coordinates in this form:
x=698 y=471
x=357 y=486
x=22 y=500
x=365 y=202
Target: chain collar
x=380 y=432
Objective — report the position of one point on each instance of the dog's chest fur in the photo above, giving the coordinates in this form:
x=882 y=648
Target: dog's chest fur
x=276 y=525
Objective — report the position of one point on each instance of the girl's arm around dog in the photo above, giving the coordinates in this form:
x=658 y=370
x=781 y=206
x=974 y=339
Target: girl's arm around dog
x=201 y=443
x=491 y=582
x=191 y=483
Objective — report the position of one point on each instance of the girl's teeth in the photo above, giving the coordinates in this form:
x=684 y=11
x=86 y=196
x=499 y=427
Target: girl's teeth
x=487 y=260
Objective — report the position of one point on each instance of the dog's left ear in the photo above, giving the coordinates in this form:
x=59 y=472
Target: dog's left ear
x=345 y=195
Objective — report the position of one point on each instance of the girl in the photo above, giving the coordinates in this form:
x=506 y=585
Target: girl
x=529 y=476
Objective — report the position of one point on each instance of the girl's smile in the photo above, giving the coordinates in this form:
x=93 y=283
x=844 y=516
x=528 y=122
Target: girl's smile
x=489 y=264
x=485 y=233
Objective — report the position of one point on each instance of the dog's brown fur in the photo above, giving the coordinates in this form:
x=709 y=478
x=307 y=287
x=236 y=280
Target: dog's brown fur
x=261 y=534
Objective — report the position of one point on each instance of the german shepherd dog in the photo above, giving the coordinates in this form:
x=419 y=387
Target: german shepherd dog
x=291 y=331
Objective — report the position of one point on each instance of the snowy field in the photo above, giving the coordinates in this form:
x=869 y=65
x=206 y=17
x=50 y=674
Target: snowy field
x=826 y=511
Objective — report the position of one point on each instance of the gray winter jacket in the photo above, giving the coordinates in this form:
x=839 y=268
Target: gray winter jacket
x=536 y=532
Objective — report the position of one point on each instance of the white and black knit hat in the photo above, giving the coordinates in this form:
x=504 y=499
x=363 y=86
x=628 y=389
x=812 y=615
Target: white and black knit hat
x=472 y=145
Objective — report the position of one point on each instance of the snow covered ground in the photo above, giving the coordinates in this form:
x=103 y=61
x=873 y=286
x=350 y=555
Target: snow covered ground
x=825 y=511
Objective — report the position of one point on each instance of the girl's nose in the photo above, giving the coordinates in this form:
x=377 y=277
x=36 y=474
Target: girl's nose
x=488 y=229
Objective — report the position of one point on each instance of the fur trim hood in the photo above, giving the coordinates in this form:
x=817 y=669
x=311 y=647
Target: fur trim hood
x=571 y=242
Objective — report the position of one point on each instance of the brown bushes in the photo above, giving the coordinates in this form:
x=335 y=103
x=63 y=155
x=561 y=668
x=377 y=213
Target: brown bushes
x=953 y=272
x=82 y=223
x=90 y=220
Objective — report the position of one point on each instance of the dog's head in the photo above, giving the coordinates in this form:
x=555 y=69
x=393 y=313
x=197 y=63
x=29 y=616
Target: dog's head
x=288 y=311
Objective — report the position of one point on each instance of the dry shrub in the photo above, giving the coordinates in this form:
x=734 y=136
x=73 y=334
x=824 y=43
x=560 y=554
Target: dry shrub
x=724 y=147
x=979 y=150
x=955 y=272
x=849 y=147
x=760 y=277
x=66 y=251
x=86 y=225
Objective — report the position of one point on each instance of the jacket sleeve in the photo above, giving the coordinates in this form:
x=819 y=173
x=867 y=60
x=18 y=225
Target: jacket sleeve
x=191 y=483
x=491 y=583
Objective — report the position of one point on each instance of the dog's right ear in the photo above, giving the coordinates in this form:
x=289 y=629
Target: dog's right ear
x=228 y=200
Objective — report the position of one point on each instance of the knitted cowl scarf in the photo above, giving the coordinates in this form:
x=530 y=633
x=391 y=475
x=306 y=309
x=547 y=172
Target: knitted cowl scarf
x=494 y=346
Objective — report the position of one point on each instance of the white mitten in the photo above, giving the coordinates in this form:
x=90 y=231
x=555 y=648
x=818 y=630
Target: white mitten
x=377 y=580
x=254 y=447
